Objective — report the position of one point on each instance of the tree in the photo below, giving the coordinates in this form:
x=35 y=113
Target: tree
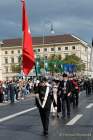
x=55 y=57
x=73 y=59
x=55 y=62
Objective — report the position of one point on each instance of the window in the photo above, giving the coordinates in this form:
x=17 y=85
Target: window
x=18 y=51
x=6 y=52
x=38 y=50
x=46 y=57
x=73 y=47
x=66 y=48
x=12 y=60
x=6 y=61
x=6 y=69
x=19 y=58
x=52 y=49
x=12 y=52
x=59 y=49
x=45 y=49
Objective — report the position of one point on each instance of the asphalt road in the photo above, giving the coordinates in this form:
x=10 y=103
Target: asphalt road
x=21 y=121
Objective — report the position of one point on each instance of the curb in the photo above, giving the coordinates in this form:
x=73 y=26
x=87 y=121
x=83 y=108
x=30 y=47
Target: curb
x=8 y=102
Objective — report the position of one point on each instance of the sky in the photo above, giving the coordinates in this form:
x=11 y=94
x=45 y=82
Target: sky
x=67 y=17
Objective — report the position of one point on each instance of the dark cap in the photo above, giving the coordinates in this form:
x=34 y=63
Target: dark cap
x=65 y=75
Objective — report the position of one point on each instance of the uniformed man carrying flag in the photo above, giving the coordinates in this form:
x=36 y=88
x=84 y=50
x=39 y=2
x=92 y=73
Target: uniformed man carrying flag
x=43 y=101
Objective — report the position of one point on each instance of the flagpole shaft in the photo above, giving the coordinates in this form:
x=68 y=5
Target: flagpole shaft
x=22 y=41
x=36 y=70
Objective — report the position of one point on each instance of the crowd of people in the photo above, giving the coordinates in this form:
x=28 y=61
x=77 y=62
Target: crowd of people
x=58 y=96
x=14 y=90
x=52 y=94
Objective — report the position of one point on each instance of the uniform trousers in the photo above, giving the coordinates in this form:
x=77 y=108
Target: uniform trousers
x=44 y=114
x=65 y=105
x=75 y=98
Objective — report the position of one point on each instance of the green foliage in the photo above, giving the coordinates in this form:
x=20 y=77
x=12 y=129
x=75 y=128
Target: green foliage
x=55 y=57
x=73 y=59
x=55 y=62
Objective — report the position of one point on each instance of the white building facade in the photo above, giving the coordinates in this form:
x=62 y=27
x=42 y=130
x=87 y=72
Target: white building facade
x=63 y=45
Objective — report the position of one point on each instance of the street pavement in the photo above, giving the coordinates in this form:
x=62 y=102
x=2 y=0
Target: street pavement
x=21 y=121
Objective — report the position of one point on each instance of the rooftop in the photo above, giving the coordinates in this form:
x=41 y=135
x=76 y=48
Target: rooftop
x=39 y=40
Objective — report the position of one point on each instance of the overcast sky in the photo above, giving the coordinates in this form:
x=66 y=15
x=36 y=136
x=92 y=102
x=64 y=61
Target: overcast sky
x=67 y=16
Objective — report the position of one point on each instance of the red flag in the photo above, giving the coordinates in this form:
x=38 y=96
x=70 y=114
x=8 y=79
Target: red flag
x=28 y=53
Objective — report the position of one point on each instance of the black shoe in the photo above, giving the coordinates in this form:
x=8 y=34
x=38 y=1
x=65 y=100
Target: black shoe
x=57 y=115
x=76 y=105
x=45 y=133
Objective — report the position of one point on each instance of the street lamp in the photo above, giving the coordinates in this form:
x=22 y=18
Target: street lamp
x=52 y=29
x=52 y=32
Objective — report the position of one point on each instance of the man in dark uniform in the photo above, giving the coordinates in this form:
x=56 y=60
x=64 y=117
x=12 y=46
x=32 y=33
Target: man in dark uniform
x=87 y=87
x=12 y=91
x=43 y=101
x=65 y=87
x=92 y=85
x=1 y=93
x=58 y=100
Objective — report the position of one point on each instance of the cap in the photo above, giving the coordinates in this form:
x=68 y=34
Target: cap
x=65 y=75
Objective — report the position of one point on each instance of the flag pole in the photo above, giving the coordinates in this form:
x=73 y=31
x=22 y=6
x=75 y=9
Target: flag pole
x=22 y=42
x=36 y=65
x=36 y=71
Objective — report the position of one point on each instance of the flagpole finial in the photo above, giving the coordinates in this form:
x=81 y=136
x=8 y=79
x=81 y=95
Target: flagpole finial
x=52 y=30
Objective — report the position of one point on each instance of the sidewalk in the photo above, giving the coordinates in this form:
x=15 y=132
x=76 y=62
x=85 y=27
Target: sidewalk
x=30 y=96
x=4 y=103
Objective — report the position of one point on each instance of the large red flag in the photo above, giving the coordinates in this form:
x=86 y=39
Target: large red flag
x=28 y=53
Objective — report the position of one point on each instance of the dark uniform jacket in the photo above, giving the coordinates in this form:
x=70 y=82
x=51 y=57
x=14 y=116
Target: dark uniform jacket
x=65 y=90
x=42 y=92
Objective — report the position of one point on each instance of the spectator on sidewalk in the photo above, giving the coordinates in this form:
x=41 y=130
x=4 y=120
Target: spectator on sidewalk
x=12 y=91
x=1 y=93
